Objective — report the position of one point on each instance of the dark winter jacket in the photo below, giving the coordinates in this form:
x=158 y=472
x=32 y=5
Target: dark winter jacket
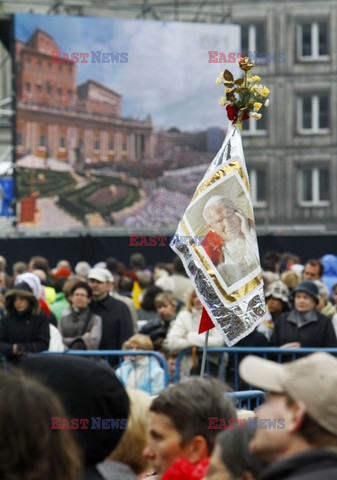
x=155 y=329
x=311 y=465
x=30 y=330
x=117 y=323
x=316 y=333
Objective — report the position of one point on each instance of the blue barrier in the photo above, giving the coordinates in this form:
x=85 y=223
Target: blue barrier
x=230 y=372
x=106 y=354
x=244 y=399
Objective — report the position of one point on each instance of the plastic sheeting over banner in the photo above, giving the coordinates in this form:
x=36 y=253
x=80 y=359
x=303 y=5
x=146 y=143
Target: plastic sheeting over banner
x=225 y=265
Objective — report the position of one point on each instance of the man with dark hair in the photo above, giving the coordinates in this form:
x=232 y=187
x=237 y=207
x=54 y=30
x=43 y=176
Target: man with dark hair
x=179 y=422
x=296 y=431
x=313 y=270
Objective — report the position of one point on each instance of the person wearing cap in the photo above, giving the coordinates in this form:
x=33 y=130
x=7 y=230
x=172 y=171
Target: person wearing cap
x=301 y=401
x=304 y=326
x=24 y=328
x=117 y=324
x=277 y=303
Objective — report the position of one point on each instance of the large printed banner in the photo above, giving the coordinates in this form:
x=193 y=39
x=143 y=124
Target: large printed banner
x=225 y=266
x=117 y=120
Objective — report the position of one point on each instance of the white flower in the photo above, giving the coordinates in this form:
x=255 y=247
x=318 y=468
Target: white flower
x=256 y=115
x=267 y=103
x=222 y=101
x=218 y=81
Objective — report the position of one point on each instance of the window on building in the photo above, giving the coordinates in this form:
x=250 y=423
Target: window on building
x=70 y=93
x=111 y=143
x=27 y=87
x=62 y=142
x=124 y=142
x=253 y=42
x=313 y=186
x=258 y=186
x=256 y=127
x=313 y=41
x=19 y=140
x=48 y=88
x=38 y=88
x=42 y=140
x=313 y=113
x=59 y=92
x=96 y=144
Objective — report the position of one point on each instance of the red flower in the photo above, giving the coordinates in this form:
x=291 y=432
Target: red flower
x=232 y=113
x=183 y=469
x=245 y=116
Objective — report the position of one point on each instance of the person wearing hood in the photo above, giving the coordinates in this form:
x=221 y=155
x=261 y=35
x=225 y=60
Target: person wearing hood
x=35 y=285
x=304 y=326
x=91 y=393
x=24 y=328
x=329 y=277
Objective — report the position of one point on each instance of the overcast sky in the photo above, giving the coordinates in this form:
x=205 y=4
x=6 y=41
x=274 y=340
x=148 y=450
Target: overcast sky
x=167 y=75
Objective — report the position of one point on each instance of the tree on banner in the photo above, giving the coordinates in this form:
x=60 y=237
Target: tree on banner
x=225 y=268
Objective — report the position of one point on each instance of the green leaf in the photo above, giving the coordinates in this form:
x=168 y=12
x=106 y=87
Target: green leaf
x=228 y=76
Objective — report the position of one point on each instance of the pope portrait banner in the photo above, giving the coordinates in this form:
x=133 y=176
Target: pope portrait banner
x=225 y=266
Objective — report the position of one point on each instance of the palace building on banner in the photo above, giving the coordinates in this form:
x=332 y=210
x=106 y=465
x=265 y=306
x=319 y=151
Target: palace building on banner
x=59 y=119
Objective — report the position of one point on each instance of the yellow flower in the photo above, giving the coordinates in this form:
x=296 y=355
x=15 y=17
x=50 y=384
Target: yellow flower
x=228 y=89
x=256 y=78
x=257 y=106
x=264 y=91
x=266 y=103
x=222 y=101
x=218 y=81
x=250 y=79
x=255 y=88
x=221 y=75
x=256 y=115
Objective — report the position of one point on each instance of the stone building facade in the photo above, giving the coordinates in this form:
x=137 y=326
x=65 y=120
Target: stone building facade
x=58 y=119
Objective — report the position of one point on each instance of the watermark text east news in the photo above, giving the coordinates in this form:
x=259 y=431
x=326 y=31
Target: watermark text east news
x=89 y=57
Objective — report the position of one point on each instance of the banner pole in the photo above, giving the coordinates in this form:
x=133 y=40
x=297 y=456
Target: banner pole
x=204 y=354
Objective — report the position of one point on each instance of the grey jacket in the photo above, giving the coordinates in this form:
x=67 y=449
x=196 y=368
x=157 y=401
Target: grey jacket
x=84 y=325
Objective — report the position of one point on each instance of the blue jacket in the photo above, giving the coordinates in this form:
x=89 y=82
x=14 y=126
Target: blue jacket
x=329 y=277
x=145 y=373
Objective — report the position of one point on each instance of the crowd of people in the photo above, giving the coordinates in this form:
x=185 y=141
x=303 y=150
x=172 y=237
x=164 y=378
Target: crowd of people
x=65 y=416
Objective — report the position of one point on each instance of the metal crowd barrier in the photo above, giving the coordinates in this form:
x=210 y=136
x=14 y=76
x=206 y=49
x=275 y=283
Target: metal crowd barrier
x=230 y=357
x=105 y=355
x=248 y=400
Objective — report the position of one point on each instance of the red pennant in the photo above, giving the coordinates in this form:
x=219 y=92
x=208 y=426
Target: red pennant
x=205 y=322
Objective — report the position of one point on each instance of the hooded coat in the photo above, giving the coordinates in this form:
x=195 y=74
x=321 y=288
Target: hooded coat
x=29 y=330
x=329 y=277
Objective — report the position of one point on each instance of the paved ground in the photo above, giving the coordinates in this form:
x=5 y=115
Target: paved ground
x=52 y=217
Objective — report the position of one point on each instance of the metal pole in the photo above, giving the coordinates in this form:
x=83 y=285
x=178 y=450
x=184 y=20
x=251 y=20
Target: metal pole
x=204 y=354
